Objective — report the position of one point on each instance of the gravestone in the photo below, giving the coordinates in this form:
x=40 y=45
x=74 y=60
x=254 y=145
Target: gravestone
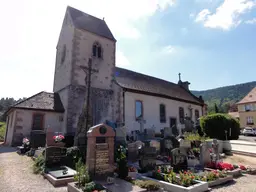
x=37 y=139
x=148 y=157
x=100 y=150
x=133 y=150
x=167 y=144
x=149 y=134
x=55 y=156
x=167 y=132
x=204 y=154
x=179 y=160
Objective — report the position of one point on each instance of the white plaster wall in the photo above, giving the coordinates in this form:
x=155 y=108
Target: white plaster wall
x=103 y=78
x=62 y=76
x=64 y=99
x=10 y=131
x=51 y=119
x=151 y=111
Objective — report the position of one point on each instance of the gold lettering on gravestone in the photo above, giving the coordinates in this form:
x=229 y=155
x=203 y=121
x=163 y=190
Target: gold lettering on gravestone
x=102 y=159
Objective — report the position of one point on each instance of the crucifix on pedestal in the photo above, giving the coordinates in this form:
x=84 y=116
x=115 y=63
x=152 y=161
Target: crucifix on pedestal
x=89 y=71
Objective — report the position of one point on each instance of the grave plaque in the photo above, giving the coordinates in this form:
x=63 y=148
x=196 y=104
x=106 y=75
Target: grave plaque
x=148 y=158
x=102 y=159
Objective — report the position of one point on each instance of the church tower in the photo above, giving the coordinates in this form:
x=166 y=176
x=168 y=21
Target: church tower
x=82 y=38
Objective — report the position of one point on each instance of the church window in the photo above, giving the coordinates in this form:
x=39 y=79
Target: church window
x=37 y=123
x=196 y=115
x=96 y=50
x=181 y=115
x=162 y=114
x=63 y=54
x=138 y=109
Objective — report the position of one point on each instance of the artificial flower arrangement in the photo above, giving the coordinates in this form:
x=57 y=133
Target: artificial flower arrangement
x=58 y=138
x=221 y=166
x=132 y=169
x=25 y=141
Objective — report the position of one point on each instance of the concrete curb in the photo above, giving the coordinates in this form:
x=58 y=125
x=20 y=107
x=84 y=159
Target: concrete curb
x=244 y=153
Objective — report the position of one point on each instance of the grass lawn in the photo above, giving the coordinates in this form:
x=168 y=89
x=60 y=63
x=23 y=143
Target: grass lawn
x=2 y=130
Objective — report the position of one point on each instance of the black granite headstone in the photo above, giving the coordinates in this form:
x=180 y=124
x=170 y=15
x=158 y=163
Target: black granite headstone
x=55 y=156
x=37 y=139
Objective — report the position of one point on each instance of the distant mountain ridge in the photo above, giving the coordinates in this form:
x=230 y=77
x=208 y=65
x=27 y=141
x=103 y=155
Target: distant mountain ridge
x=225 y=96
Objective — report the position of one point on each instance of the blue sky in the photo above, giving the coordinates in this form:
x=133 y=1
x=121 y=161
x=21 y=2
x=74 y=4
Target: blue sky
x=212 y=43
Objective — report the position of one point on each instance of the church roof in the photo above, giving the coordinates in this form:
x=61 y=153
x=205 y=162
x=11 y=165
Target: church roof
x=249 y=98
x=90 y=23
x=43 y=101
x=140 y=83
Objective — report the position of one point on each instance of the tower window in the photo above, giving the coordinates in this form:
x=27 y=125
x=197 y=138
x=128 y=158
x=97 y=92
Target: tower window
x=96 y=50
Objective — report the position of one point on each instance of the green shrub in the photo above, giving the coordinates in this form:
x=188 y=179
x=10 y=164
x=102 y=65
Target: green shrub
x=39 y=164
x=122 y=162
x=2 y=130
x=215 y=126
x=194 y=137
x=82 y=175
x=73 y=156
x=147 y=184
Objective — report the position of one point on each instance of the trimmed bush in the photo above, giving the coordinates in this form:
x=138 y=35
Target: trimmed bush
x=215 y=125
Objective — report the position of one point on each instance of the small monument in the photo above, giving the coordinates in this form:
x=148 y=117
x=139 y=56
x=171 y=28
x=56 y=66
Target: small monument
x=100 y=150
x=179 y=160
x=215 y=147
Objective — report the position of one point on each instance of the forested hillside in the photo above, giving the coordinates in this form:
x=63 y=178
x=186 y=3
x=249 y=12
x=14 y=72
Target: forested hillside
x=224 y=97
x=5 y=103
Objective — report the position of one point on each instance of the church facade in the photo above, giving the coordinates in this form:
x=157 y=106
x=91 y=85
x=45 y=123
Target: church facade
x=117 y=95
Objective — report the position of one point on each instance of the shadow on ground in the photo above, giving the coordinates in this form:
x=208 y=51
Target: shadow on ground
x=4 y=149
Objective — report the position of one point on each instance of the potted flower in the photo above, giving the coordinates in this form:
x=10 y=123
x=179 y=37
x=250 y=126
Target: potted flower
x=132 y=172
x=58 y=139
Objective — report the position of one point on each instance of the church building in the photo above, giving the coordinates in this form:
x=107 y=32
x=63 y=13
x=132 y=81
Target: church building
x=86 y=58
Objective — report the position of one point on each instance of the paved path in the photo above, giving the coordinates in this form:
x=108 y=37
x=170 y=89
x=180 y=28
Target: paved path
x=247 y=138
x=16 y=174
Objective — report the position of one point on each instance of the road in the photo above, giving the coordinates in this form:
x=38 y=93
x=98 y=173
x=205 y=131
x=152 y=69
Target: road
x=247 y=138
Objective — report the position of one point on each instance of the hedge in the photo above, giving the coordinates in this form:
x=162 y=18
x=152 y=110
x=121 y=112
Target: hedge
x=215 y=125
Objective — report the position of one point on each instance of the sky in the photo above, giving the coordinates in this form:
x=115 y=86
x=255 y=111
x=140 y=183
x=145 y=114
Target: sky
x=212 y=43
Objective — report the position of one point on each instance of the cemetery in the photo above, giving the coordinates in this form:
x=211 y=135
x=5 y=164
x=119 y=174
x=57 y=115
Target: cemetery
x=175 y=160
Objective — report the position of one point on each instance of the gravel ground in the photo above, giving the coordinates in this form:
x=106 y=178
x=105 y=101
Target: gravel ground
x=16 y=174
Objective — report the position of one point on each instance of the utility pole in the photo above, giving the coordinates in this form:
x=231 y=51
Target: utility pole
x=89 y=71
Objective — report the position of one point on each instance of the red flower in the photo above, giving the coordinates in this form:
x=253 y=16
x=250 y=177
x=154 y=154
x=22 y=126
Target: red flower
x=159 y=171
x=54 y=137
x=242 y=167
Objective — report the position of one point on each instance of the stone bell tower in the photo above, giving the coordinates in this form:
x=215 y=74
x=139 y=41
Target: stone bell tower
x=84 y=37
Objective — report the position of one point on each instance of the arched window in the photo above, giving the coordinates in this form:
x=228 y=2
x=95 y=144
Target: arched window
x=96 y=50
x=196 y=115
x=162 y=114
x=181 y=115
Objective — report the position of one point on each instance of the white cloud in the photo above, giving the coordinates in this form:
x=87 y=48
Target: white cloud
x=168 y=49
x=202 y=15
x=251 y=21
x=227 y=15
x=121 y=59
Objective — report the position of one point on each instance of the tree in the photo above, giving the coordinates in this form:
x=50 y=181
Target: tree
x=216 y=108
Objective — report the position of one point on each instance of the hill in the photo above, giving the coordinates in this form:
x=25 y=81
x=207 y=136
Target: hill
x=225 y=97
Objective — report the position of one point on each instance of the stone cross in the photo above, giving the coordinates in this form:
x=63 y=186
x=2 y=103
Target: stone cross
x=141 y=122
